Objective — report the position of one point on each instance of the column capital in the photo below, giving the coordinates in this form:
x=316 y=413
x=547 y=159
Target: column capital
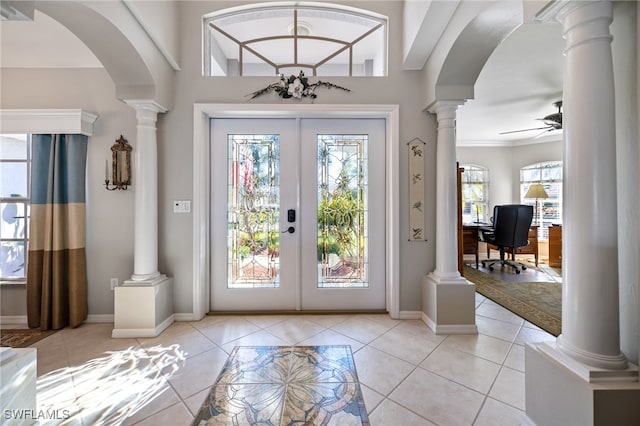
x=446 y=114
x=588 y=10
x=145 y=105
x=146 y=111
x=586 y=23
x=445 y=107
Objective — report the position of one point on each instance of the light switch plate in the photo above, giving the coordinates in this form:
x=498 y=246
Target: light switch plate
x=182 y=206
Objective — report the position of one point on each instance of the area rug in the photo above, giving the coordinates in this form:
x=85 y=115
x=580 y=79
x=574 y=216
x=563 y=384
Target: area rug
x=540 y=303
x=286 y=385
x=21 y=338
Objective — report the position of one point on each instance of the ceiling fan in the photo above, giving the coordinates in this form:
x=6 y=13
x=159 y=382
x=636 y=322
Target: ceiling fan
x=552 y=121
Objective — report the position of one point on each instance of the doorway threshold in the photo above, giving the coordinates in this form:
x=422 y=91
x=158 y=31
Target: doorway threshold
x=294 y=312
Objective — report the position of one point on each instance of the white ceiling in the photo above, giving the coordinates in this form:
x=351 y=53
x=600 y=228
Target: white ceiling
x=519 y=83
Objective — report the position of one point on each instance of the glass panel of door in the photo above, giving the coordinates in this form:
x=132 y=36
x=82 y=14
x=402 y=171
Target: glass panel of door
x=297 y=219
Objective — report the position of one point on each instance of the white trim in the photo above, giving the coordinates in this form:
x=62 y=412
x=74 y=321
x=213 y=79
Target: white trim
x=410 y=315
x=449 y=328
x=22 y=319
x=202 y=113
x=467 y=143
x=99 y=318
x=13 y=320
x=63 y=121
x=137 y=15
x=129 y=333
x=185 y=317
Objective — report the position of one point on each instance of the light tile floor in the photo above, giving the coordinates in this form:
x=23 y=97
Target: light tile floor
x=409 y=375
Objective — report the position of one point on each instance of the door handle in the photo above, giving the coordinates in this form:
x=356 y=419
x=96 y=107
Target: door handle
x=289 y=230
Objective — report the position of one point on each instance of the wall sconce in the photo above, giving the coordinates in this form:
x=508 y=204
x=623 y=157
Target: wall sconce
x=120 y=166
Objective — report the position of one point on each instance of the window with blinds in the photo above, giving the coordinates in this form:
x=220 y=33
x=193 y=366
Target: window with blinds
x=549 y=210
x=475 y=193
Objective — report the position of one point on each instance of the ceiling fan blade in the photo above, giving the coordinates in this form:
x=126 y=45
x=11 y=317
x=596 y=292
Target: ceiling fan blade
x=527 y=130
x=549 y=131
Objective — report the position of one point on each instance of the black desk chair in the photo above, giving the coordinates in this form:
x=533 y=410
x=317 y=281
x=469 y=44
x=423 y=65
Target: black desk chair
x=511 y=223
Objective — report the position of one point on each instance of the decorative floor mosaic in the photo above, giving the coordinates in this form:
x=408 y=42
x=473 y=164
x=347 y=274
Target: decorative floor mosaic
x=286 y=385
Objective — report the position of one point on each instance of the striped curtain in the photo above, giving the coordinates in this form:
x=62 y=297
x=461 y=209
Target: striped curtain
x=57 y=272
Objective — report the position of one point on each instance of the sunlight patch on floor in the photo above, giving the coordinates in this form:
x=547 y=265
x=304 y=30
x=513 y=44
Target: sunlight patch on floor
x=109 y=389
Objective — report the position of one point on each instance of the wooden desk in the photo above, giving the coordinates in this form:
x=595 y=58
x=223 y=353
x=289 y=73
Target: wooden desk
x=555 y=246
x=470 y=239
x=531 y=248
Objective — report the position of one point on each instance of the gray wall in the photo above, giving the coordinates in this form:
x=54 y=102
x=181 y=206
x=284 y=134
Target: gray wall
x=110 y=214
x=176 y=143
x=109 y=219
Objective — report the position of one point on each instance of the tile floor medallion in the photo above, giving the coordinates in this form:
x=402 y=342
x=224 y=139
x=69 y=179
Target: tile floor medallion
x=286 y=385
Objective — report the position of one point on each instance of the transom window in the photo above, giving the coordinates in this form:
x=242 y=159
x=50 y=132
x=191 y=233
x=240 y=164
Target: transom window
x=549 y=210
x=15 y=164
x=320 y=40
x=475 y=193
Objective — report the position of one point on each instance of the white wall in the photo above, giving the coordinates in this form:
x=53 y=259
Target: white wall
x=504 y=164
x=498 y=161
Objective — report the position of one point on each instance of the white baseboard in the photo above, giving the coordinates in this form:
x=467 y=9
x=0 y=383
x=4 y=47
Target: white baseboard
x=410 y=315
x=99 y=318
x=428 y=322
x=130 y=333
x=449 y=328
x=187 y=316
x=13 y=319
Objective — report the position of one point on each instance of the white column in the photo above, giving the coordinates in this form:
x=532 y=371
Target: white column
x=145 y=263
x=448 y=300
x=598 y=385
x=143 y=306
x=446 y=193
x=590 y=317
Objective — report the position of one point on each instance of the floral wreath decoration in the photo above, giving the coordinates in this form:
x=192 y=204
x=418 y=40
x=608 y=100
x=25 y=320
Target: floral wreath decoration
x=295 y=86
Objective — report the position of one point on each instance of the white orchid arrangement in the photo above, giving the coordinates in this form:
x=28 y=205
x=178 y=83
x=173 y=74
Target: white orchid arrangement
x=295 y=86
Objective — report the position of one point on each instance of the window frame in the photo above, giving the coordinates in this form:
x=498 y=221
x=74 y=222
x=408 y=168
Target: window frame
x=37 y=121
x=483 y=202
x=210 y=46
x=553 y=187
x=26 y=202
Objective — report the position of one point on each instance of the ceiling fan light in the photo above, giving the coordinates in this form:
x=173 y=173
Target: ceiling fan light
x=303 y=28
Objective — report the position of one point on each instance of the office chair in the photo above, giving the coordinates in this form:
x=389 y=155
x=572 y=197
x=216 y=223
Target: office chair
x=511 y=223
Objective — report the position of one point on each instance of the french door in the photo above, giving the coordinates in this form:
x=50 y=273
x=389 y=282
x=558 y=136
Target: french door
x=298 y=214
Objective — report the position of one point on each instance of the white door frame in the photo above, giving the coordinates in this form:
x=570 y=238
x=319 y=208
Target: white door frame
x=202 y=113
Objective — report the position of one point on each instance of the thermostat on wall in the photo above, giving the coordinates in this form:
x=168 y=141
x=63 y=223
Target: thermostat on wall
x=182 y=206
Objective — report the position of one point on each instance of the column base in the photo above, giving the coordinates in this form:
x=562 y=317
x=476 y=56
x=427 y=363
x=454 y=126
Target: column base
x=143 y=308
x=561 y=390
x=142 y=278
x=449 y=305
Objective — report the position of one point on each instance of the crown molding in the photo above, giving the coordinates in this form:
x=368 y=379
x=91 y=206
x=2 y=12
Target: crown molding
x=61 y=121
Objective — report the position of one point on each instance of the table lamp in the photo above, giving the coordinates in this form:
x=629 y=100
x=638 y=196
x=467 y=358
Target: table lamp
x=536 y=190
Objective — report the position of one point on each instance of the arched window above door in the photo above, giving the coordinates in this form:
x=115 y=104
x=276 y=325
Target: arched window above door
x=318 y=39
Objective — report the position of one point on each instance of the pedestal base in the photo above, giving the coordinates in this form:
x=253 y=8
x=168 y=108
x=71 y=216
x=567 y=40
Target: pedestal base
x=143 y=308
x=557 y=395
x=449 y=305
